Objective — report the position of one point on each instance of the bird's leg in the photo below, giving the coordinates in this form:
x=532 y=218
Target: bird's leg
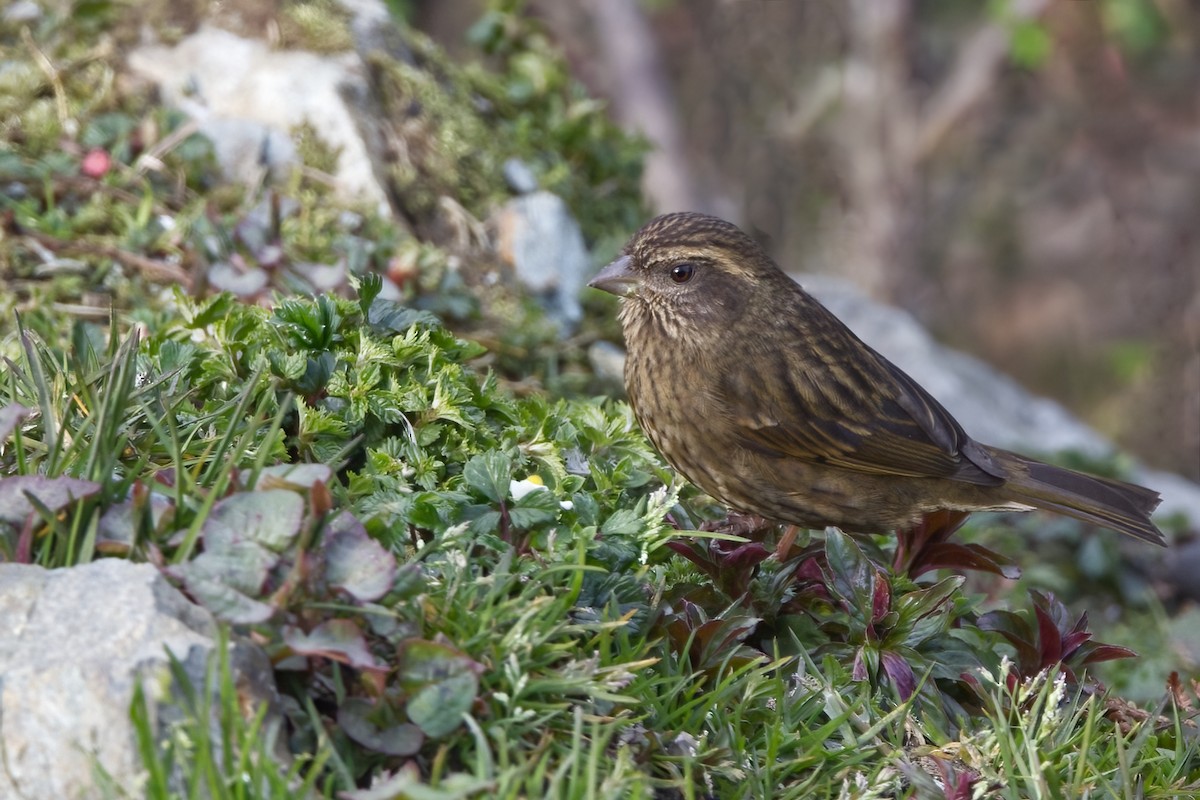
x=784 y=546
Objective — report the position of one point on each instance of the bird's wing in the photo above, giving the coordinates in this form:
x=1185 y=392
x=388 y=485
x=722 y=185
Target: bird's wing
x=847 y=406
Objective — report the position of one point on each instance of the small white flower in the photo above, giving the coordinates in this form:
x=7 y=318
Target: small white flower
x=519 y=489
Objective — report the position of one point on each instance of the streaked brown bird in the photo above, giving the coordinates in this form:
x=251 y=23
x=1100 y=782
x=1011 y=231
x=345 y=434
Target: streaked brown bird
x=760 y=396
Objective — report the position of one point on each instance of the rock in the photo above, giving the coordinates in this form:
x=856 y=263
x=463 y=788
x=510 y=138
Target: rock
x=22 y=11
x=73 y=644
x=542 y=242
x=519 y=176
x=608 y=362
x=247 y=98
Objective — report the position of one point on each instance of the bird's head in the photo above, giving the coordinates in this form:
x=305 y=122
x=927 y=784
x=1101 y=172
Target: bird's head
x=691 y=273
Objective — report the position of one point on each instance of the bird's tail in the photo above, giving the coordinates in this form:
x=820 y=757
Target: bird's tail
x=1105 y=502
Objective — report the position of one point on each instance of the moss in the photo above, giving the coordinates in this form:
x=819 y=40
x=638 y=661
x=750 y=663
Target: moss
x=321 y=26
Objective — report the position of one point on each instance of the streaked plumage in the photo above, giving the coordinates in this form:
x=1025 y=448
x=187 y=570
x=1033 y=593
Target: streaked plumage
x=755 y=392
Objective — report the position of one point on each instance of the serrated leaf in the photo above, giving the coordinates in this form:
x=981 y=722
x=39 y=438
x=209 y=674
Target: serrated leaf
x=622 y=522
x=388 y=316
x=533 y=509
x=489 y=474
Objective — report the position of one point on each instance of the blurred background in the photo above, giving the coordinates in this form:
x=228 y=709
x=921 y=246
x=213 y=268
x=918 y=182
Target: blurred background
x=1021 y=175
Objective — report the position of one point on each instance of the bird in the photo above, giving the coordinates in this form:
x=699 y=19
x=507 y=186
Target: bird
x=761 y=397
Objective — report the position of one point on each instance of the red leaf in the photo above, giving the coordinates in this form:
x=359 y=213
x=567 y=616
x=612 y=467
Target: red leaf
x=881 y=597
x=1049 y=639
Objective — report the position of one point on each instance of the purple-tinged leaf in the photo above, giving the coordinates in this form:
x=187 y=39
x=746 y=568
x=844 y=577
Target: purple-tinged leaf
x=355 y=719
x=881 y=597
x=242 y=566
x=1049 y=639
x=723 y=635
x=899 y=672
x=1106 y=652
x=228 y=603
x=952 y=555
x=1015 y=630
x=1055 y=610
x=740 y=556
x=10 y=415
x=271 y=518
x=119 y=524
x=337 y=639
x=859 y=671
x=1072 y=642
x=356 y=563
x=53 y=493
x=296 y=477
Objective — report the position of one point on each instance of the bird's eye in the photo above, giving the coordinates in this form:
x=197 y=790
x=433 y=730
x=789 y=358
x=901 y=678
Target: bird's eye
x=682 y=273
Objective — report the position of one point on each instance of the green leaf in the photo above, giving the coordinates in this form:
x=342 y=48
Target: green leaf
x=489 y=474
x=534 y=509
x=437 y=709
x=442 y=683
x=622 y=522
x=852 y=576
x=355 y=719
x=388 y=316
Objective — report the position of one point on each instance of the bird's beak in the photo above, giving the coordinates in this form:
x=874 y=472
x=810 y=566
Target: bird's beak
x=617 y=278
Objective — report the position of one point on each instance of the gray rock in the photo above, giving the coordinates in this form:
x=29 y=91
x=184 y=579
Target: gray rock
x=22 y=11
x=519 y=176
x=542 y=242
x=607 y=361
x=73 y=644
